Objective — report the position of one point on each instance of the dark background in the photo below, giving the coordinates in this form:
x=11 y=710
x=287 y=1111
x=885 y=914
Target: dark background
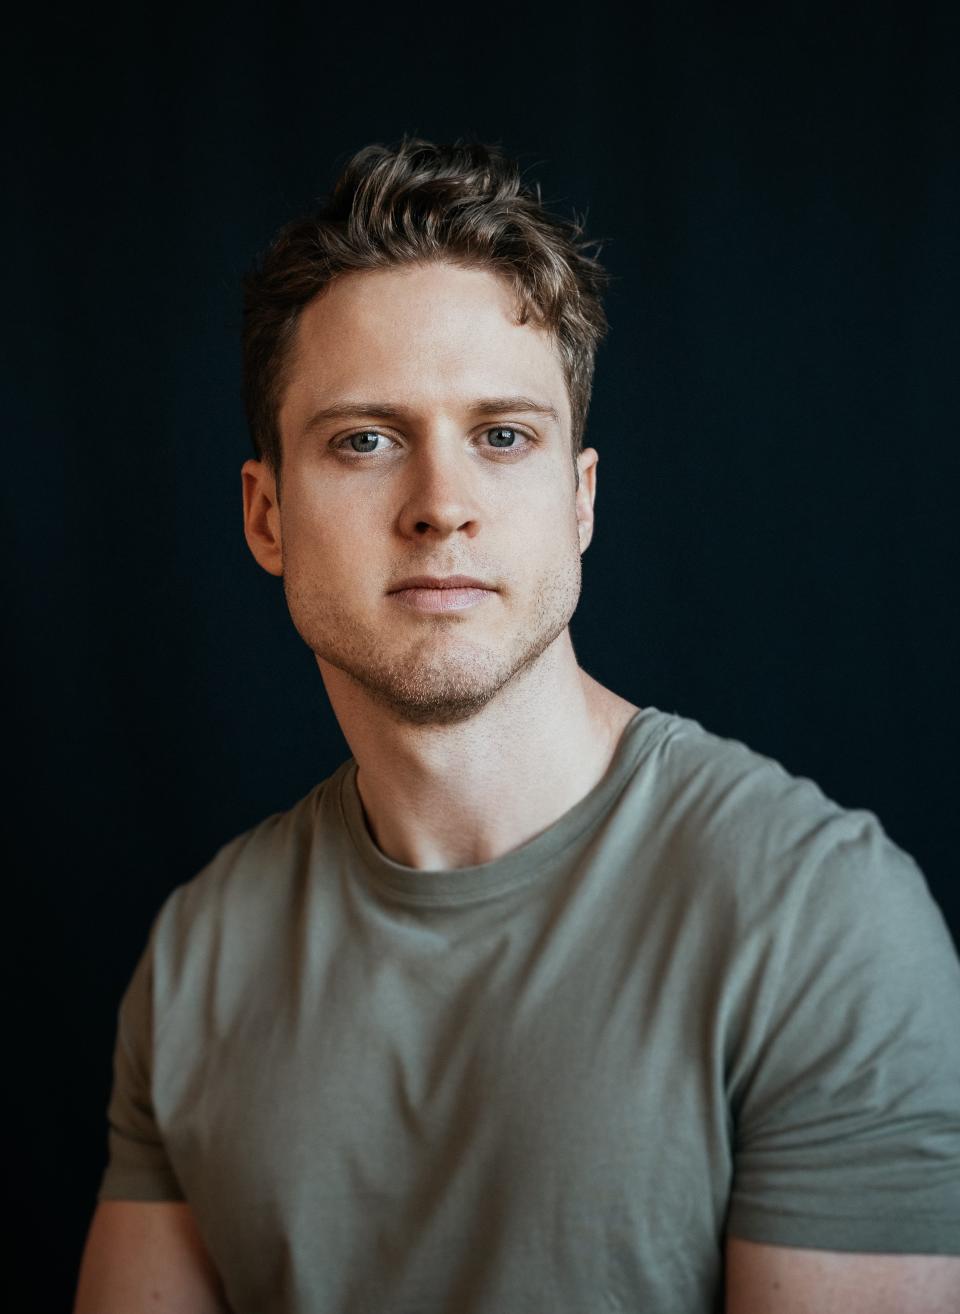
x=778 y=188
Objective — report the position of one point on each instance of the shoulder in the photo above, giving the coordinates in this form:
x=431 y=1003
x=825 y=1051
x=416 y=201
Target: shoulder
x=743 y=809
x=722 y=781
x=767 y=852
x=244 y=903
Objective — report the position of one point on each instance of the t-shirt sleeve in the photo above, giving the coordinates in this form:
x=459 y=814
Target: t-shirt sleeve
x=847 y=1112
x=138 y=1167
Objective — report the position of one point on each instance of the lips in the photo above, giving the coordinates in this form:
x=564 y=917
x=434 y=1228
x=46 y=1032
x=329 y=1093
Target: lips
x=441 y=595
x=440 y=582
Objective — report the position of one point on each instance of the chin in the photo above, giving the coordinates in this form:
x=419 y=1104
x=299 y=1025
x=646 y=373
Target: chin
x=431 y=697
x=447 y=689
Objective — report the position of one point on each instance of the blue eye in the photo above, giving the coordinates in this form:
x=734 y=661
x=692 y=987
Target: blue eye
x=502 y=436
x=368 y=436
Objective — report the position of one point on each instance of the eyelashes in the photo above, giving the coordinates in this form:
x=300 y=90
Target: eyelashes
x=508 y=439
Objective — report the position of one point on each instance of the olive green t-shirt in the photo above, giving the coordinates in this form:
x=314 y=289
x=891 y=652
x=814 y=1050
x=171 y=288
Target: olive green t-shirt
x=706 y=999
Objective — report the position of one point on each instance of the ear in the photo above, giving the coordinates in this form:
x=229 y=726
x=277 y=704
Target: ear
x=586 y=492
x=261 y=515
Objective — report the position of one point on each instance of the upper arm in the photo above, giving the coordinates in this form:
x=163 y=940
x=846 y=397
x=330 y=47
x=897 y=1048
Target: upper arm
x=765 y=1279
x=845 y=1070
x=144 y=1256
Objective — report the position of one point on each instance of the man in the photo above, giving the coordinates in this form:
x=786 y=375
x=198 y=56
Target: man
x=543 y=1001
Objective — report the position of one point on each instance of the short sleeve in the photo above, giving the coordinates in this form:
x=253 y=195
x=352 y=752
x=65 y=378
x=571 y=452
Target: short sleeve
x=138 y=1167
x=847 y=1119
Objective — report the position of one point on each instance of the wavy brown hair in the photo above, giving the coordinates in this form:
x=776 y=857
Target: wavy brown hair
x=464 y=203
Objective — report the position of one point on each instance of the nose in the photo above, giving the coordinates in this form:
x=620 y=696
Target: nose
x=441 y=494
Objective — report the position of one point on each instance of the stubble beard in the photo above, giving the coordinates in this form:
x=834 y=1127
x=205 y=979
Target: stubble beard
x=440 y=676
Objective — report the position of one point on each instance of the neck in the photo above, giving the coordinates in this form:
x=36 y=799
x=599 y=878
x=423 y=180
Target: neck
x=449 y=796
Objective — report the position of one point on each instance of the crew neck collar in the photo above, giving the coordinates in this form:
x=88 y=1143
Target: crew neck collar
x=527 y=862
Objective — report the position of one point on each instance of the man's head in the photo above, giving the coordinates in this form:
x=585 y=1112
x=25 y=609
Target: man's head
x=426 y=420
x=417 y=203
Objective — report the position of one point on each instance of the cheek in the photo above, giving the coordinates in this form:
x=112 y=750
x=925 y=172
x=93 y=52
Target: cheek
x=552 y=519
x=318 y=530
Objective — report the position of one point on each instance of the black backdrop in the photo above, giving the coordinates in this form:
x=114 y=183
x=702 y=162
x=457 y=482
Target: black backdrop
x=776 y=412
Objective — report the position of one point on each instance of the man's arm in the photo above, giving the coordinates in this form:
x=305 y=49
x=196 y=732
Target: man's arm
x=765 y=1279
x=145 y=1256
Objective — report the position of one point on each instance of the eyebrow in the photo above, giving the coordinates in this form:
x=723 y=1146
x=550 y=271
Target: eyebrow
x=354 y=409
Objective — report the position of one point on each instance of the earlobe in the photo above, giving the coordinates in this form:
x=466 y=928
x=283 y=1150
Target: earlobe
x=261 y=516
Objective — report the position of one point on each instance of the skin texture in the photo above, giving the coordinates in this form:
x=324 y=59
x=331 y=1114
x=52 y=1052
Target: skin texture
x=762 y=1279
x=146 y=1257
x=472 y=730
x=437 y=496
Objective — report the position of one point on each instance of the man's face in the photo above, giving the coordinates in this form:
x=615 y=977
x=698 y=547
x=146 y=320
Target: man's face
x=425 y=434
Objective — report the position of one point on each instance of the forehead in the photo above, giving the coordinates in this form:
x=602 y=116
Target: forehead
x=421 y=334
